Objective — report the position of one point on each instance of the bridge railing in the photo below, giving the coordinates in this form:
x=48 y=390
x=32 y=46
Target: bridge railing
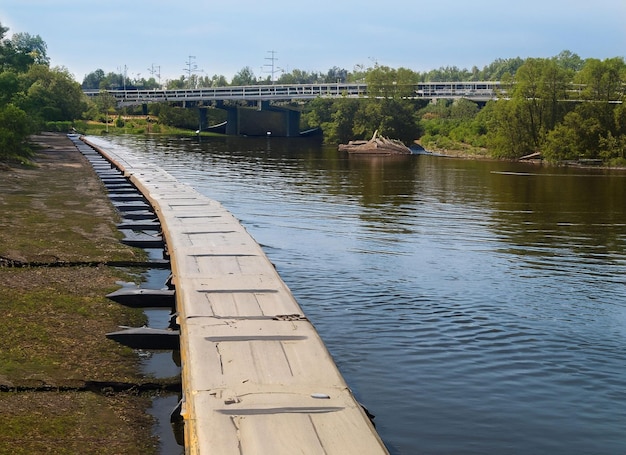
x=237 y=93
x=480 y=90
x=476 y=91
x=471 y=90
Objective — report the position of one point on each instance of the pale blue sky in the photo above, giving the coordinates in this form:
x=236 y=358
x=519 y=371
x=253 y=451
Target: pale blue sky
x=225 y=36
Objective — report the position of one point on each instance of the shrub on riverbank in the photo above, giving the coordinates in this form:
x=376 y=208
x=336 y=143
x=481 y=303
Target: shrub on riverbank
x=132 y=125
x=14 y=131
x=31 y=93
x=565 y=107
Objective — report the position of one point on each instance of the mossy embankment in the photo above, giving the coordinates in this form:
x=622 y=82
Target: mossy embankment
x=65 y=388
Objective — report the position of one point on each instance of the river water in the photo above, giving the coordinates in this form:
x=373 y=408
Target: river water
x=474 y=307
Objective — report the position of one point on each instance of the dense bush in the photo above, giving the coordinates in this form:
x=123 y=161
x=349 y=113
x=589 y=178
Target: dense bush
x=33 y=96
x=564 y=107
x=59 y=127
x=14 y=129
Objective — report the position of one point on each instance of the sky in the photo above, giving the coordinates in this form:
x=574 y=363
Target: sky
x=142 y=38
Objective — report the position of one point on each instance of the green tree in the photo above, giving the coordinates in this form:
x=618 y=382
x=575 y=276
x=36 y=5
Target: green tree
x=393 y=118
x=448 y=74
x=9 y=86
x=336 y=74
x=528 y=93
x=341 y=127
x=578 y=136
x=175 y=84
x=603 y=83
x=298 y=76
x=386 y=82
x=93 y=80
x=178 y=117
x=587 y=133
x=105 y=103
x=12 y=59
x=218 y=81
x=612 y=149
x=496 y=70
x=569 y=61
x=112 y=81
x=463 y=109
x=15 y=124
x=536 y=93
x=317 y=112
x=245 y=76
x=508 y=135
x=14 y=130
x=33 y=46
x=52 y=94
x=603 y=80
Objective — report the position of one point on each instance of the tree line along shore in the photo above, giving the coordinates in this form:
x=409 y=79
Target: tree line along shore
x=561 y=108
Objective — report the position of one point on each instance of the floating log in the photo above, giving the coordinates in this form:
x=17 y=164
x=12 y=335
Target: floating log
x=144 y=298
x=532 y=156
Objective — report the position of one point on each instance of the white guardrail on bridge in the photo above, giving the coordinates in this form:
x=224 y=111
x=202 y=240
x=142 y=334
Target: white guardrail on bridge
x=480 y=91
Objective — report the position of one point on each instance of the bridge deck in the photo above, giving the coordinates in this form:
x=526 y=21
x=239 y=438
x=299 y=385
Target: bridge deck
x=478 y=91
x=257 y=378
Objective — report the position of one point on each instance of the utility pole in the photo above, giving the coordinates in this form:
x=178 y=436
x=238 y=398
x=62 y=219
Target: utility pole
x=156 y=70
x=123 y=75
x=191 y=68
x=272 y=59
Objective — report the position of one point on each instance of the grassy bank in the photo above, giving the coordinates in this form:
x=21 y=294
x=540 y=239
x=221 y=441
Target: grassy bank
x=134 y=124
x=57 y=233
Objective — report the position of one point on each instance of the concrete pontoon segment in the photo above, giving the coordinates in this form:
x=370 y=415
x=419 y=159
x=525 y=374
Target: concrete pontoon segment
x=256 y=376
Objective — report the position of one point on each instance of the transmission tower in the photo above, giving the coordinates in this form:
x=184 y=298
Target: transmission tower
x=155 y=70
x=191 y=68
x=272 y=60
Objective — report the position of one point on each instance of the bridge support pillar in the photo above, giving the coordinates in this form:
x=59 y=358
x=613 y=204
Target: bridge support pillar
x=292 y=120
x=264 y=120
x=232 y=121
x=203 y=118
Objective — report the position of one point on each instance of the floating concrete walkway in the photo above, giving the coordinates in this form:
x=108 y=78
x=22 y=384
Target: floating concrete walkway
x=256 y=377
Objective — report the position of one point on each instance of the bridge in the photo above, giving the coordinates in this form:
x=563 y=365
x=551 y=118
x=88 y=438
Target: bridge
x=475 y=91
x=279 y=120
x=270 y=118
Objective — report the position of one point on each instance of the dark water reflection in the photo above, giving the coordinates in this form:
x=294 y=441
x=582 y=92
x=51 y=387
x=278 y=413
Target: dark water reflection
x=474 y=307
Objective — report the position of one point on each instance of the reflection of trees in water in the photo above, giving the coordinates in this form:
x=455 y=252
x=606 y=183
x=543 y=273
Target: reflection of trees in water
x=385 y=187
x=581 y=211
x=530 y=206
x=383 y=179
